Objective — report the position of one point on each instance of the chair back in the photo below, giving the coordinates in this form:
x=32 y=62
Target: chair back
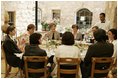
x=115 y=63
x=3 y=52
x=101 y=60
x=35 y=59
x=68 y=61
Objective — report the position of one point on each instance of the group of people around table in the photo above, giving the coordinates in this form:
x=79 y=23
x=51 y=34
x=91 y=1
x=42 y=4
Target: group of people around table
x=100 y=48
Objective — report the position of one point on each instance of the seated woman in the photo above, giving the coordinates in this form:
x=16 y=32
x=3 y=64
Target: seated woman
x=25 y=37
x=77 y=35
x=11 y=49
x=112 y=35
x=100 y=49
x=34 y=50
x=53 y=34
x=66 y=50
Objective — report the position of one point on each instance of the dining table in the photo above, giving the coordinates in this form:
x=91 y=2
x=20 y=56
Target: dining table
x=51 y=46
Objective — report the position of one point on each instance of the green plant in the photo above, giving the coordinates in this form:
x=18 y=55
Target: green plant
x=68 y=29
x=44 y=23
x=56 y=22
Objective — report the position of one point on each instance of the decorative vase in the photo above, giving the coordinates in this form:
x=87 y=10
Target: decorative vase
x=44 y=27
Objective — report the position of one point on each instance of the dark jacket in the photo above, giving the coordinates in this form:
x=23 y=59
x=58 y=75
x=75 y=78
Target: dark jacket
x=10 y=48
x=34 y=50
x=100 y=49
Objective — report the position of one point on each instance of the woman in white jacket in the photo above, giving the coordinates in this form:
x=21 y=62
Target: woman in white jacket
x=66 y=50
x=112 y=34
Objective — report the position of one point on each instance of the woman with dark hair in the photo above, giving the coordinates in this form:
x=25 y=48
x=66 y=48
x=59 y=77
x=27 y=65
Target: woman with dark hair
x=24 y=40
x=112 y=35
x=34 y=50
x=100 y=49
x=76 y=33
x=11 y=49
x=67 y=49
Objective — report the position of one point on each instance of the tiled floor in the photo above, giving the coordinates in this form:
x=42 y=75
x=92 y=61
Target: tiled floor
x=12 y=73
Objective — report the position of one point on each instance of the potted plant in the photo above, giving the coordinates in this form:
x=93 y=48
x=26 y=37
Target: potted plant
x=44 y=25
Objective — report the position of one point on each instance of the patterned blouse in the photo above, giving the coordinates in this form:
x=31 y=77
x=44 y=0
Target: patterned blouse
x=22 y=41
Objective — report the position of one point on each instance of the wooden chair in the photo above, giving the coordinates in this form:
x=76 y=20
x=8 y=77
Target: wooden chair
x=68 y=61
x=7 y=66
x=35 y=59
x=101 y=60
x=115 y=63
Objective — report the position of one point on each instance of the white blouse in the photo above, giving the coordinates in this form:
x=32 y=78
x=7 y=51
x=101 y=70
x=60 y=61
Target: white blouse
x=115 y=49
x=65 y=51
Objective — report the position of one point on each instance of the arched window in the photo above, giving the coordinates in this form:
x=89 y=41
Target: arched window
x=84 y=18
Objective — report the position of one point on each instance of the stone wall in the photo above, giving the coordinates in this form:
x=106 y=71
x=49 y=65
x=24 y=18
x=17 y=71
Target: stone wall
x=69 y=10
x=25 y=13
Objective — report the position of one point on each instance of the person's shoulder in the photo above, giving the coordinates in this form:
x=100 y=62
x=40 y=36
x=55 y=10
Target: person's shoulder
x=75 y=47
x=49 y=32
x=57 y=32
x=93 y=45
x=42 y=50
x=97 y=23
x=7 y=39
x=8 y=42
x=27 y=46
x=61 y=46
x=110 y=44
x=78 y=32
x=115 y=41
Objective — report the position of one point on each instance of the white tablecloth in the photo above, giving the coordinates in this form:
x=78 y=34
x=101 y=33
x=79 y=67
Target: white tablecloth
x=51 y=49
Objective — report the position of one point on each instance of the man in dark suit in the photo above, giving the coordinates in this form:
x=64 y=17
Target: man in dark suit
x=11 y=49
x=99 y=49
x=34 y=50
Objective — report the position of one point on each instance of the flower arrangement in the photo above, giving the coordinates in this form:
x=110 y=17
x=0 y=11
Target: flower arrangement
x=56 y=21
x=45 y=24
x=68 y=29
x=53 y=42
